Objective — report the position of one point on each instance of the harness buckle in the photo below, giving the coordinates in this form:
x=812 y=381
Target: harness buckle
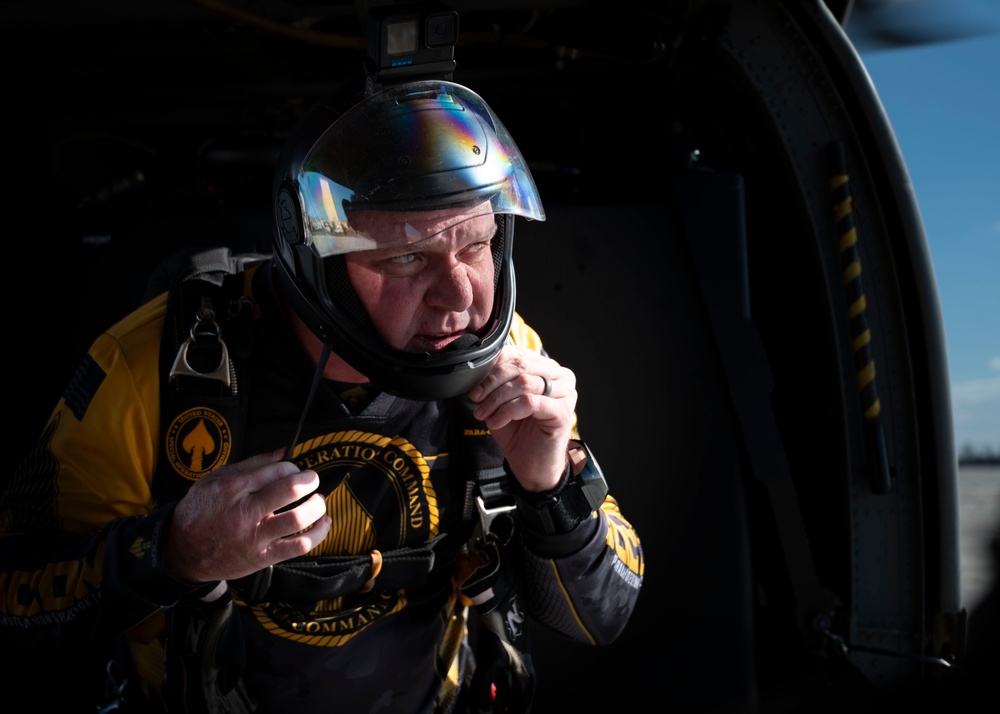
x=488 y=514
x=205 y=329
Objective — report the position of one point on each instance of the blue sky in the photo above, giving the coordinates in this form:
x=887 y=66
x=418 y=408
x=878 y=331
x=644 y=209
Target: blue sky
x=943 y=101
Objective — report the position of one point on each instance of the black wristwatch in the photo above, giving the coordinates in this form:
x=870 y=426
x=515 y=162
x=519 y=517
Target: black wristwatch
x=566 y=508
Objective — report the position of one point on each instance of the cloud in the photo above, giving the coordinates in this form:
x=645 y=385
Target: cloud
x=995 y=363
x=976 y=391
x=976 y=411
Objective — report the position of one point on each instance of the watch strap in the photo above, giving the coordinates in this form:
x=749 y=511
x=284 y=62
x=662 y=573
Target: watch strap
x=562 y=510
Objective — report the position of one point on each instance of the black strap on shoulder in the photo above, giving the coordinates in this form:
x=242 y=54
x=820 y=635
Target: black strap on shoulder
x=207 y=334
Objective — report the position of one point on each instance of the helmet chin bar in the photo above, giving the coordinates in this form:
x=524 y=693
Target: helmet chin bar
x=412 y=375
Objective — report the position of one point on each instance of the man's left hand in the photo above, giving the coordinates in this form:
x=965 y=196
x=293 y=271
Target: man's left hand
x=528 y=402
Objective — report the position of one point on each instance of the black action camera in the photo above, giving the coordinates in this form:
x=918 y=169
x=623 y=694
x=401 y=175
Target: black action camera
x=410 y=41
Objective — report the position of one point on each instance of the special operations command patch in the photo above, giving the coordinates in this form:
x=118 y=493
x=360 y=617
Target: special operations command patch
x=366 y=478
x=197 y=442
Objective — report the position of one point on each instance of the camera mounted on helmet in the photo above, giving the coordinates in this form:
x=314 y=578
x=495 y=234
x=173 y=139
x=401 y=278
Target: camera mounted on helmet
x=408 y=42
x=411 y=141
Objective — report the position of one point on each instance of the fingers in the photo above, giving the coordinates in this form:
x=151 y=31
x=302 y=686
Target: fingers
x=301 y=540
x=524 y=384
x=243 y=517
x=302 y=516
x=528 y=402
x=255 y=473
x=260 y=486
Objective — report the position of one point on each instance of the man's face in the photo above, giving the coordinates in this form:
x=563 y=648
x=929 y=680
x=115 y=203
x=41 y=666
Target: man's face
x=425 y=295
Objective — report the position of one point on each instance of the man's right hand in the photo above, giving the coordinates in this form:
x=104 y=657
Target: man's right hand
x=226 y=526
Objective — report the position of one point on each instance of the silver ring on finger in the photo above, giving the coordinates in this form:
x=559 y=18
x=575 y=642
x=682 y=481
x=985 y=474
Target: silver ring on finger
x=548 y=385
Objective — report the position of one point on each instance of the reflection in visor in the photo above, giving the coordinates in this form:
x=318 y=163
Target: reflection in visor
x=371 y=230
x=326 y=226
x=416 y=147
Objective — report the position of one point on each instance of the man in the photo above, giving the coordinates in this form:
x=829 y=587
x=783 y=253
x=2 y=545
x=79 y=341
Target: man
x=393 y=405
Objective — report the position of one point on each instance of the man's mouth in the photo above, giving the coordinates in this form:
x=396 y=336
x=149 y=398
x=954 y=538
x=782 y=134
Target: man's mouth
x=437 y=342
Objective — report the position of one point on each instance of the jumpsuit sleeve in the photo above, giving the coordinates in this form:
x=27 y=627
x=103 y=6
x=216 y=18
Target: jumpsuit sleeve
x=80 y=539
x=584 y=583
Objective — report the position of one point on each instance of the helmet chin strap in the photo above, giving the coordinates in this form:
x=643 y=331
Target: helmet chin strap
x=462 y=343
x=323 y=358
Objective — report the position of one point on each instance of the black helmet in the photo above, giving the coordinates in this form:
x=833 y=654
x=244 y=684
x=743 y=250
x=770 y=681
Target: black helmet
x=415 y=146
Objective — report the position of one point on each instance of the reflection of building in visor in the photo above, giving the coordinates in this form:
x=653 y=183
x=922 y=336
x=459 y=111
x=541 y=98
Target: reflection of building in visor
x=334 y=233
x=418 y=146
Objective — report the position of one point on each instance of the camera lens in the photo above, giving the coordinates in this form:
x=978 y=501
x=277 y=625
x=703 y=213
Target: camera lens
x=442 y=29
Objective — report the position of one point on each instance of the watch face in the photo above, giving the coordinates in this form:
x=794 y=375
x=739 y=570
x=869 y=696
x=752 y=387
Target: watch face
x=592 y=481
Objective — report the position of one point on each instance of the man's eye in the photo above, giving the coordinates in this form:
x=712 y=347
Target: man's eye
x=478 y=247
x=404 y=259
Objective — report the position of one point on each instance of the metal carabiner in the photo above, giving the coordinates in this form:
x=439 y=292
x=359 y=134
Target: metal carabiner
x=203 y=328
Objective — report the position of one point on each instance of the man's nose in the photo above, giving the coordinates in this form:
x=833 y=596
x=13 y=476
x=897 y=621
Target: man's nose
x=451 y=287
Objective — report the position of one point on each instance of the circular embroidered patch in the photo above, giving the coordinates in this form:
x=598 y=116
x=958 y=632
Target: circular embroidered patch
x=198 y=441
x=366 y=479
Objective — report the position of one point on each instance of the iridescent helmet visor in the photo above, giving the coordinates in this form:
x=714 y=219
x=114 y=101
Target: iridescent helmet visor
x=412 y=147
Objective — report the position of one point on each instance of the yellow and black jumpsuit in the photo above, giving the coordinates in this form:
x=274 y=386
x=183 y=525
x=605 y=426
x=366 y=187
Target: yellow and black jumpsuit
x=81 y=531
